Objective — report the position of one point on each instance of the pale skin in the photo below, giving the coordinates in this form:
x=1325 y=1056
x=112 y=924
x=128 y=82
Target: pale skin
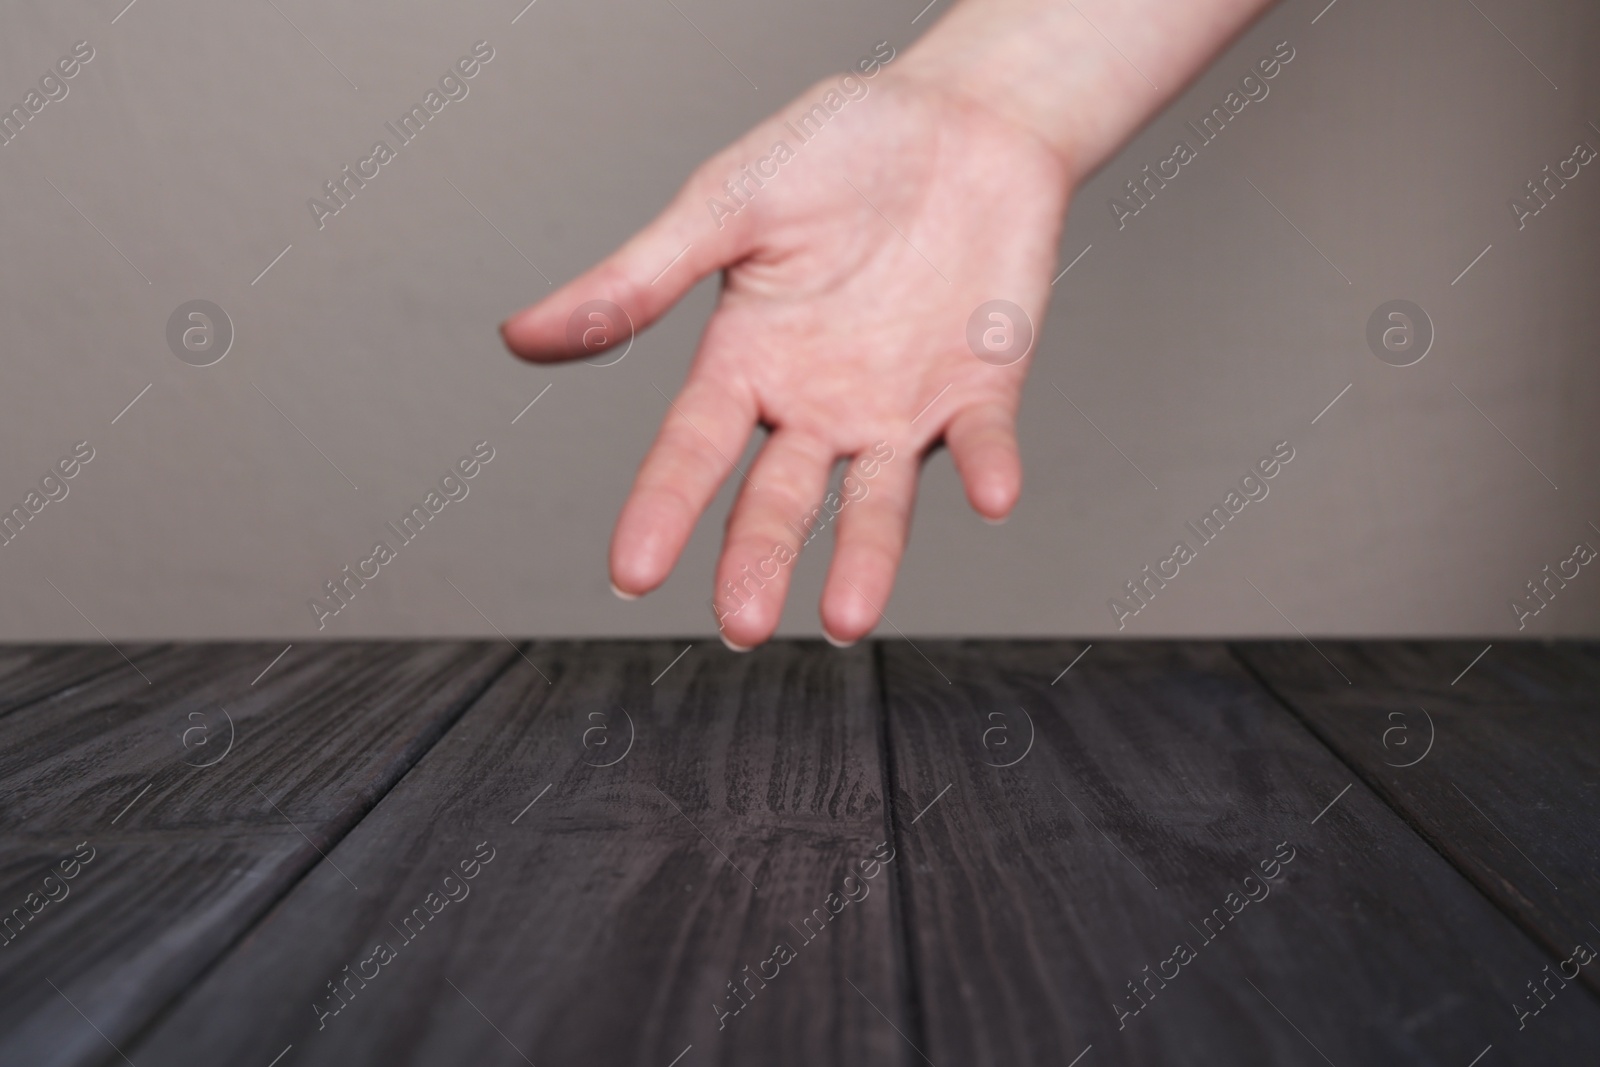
x=848 y=280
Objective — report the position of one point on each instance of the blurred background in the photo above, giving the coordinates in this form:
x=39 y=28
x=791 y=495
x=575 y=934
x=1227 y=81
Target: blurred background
x=1227 y=316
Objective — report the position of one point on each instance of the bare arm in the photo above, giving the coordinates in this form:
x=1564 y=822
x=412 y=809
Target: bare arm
x=1084 y=75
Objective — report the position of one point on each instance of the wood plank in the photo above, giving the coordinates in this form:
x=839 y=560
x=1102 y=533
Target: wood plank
x=1161 y=776
x=1509 y=789
x=621 y=900
x=190 y=844
x=29 y=672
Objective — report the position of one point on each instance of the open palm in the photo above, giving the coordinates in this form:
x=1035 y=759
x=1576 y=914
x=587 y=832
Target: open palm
x=852 y=263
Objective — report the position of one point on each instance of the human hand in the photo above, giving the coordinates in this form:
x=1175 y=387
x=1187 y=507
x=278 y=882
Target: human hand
x=849 y=276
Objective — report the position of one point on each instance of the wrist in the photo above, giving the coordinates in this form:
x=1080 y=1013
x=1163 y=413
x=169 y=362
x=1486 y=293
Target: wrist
x=1082 y=76
x=989 y=73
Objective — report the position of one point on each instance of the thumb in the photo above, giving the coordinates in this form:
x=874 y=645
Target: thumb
x=636 y=284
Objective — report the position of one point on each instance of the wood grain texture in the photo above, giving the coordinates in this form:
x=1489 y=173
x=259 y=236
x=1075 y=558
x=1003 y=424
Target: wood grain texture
x=1510 y=788
x=618 y=906
x=29 y=672
x=1160 y=776
x=1022 y=901
x=186 y=856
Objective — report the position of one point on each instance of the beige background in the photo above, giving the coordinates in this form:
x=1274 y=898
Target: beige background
x=1197 y=337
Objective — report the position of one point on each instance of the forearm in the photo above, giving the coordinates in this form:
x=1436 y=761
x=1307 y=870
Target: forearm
x=1083 y=75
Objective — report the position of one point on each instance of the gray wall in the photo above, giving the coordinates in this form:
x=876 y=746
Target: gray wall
x=1196 y=337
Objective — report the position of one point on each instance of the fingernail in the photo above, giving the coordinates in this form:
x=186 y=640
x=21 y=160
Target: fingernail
x=733 y=647
x=620 y=595
x=834 y=641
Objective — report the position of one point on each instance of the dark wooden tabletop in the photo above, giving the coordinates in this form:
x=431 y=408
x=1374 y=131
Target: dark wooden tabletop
x=659 y=854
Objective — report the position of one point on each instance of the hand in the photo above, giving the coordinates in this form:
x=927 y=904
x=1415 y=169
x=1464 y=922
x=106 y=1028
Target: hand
x=849 y=276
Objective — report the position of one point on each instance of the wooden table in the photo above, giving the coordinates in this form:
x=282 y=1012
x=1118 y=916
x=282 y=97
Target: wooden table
x=652 y=854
